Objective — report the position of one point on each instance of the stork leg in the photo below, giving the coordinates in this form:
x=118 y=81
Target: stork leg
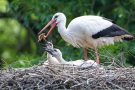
x=85 y=54
x=97 y=56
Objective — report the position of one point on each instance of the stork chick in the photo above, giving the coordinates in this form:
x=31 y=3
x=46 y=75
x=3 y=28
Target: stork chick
x=50 y=59
x=81 y=63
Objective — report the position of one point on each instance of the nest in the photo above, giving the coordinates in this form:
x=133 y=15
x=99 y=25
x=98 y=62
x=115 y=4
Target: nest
x=54 y=77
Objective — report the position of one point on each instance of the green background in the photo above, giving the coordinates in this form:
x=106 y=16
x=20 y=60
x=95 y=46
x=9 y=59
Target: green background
x=21 y=20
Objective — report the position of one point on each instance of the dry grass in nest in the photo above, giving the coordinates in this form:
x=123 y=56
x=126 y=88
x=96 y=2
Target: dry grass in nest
x=67 y=77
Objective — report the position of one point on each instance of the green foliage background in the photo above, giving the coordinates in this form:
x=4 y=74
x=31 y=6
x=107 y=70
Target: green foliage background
x=21 y=20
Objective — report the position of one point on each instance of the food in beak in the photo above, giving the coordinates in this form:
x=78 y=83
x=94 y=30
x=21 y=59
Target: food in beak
x=51 y=22
x=41 y=37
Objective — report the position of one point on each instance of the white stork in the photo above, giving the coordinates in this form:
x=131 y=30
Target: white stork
x=50 y=58
x=56 y=53
x=88 y=32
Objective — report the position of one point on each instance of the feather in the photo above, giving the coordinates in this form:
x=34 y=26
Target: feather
x=111 y=31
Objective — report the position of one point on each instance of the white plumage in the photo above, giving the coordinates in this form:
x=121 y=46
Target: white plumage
x=57 y=54
x=88 y=24
x=51 y=59
x=88 y=32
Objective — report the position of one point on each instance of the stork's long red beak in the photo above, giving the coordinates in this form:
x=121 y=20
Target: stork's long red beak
x=51 y=22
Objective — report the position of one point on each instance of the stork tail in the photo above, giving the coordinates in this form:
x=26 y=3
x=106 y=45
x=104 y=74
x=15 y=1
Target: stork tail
x=127 y=37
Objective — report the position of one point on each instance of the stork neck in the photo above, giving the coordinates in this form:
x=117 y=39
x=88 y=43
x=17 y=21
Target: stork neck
x=49 y=57
x=61 y=60
x=61 y=27
x=67 y=36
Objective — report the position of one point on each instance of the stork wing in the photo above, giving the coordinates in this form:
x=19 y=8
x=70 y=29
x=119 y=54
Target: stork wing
x=111 y=31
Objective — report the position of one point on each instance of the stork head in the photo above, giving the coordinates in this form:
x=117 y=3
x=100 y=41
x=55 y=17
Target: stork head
x=56 y=19
x=48 y=45
x=54 y=52
x=59 y=18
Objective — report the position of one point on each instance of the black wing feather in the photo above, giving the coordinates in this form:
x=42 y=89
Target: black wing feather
x=111 y=31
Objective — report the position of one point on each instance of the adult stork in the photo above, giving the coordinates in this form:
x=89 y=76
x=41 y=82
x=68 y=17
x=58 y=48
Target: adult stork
x=88 y=32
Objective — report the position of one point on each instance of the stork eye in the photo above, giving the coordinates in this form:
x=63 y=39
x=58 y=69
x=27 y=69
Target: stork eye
x=56 y=16
x=50 y=44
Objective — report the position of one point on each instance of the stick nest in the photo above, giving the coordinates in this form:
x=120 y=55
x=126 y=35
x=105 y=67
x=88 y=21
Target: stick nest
x=54 y=77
